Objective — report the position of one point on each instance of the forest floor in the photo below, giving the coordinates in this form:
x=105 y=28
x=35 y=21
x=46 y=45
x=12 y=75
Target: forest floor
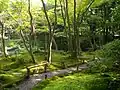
x=33 y=80
x=13 y=69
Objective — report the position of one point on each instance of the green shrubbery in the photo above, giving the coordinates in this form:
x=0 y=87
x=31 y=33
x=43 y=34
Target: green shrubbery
x=15 y=62
x=108 y=58
x=6 y=77
x=111 y=51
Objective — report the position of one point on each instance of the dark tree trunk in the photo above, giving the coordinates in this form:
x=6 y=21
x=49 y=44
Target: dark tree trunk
x=75 y=32
x=22 y=35
x=70 y=48
x=32 y=33
x=2 y=38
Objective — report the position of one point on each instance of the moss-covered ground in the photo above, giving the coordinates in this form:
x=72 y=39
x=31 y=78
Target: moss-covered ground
x=13 y=68
x=77 y=81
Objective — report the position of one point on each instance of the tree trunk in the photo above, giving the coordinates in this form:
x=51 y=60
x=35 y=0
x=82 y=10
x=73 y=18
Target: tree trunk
x=55 y=24
x=2 y=38
x=63 y=12
x=56 y=46
x=31 y=54
x=32 y=33
x=75 y=31
x=50 y=33
x=45 y=47
x=69 y=30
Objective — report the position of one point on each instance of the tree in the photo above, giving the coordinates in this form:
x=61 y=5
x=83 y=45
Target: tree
x=32 y=33
x=3 y=6
x=21 y=22
x=50 y=33
x=70 y=48
x=2 y=38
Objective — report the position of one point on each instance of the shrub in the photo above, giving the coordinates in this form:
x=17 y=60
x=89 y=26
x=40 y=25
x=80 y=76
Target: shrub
x=4 y=78
x=111 y=51
x=16 y=63
x=107 y=58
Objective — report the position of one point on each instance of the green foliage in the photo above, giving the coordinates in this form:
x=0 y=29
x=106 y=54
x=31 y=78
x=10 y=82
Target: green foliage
x=3 y=5
x=16 y=18
x=116 y=13
x=99 y=2
x=4 y=78
x=111 y=51
x=107 y=58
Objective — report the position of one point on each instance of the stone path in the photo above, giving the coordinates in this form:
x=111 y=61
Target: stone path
x=33 y=80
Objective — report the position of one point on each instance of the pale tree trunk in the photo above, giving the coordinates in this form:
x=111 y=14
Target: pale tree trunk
x=32 y=33
x=54 y=42
x=2 y=38
x=50 y=33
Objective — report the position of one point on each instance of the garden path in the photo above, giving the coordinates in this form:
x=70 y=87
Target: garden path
x=33 y=80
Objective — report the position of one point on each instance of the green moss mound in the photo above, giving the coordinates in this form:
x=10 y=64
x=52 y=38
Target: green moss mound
x=75 y=82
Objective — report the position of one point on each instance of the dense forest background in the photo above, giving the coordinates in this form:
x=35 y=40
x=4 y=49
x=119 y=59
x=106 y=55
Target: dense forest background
x=61 y=34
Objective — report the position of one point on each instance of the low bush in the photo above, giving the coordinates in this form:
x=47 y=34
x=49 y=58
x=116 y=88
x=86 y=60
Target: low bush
x=108 y=58
x=5 y=78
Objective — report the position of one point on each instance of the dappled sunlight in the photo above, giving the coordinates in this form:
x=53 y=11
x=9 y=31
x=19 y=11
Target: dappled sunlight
x=38 y=3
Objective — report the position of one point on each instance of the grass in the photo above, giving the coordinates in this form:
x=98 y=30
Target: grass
x=76 y=81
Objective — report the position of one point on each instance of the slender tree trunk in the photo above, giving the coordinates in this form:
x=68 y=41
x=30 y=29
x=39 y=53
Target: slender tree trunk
x=32 y=33
x=31 y=54
x=65 y=16
x=75 y=29
x=55 y=12
x=104 y=24
x=23 y=38
x=50 y=33
x=2 y=38
x=56 y=46
x=69 y=30
x=55 y=15
x=63 y=12
x=45 y=46
x=80 y=17
x=76 y=36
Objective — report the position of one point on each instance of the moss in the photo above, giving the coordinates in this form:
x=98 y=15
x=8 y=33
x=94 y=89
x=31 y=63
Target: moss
x=17 y=64
x=77 y=81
